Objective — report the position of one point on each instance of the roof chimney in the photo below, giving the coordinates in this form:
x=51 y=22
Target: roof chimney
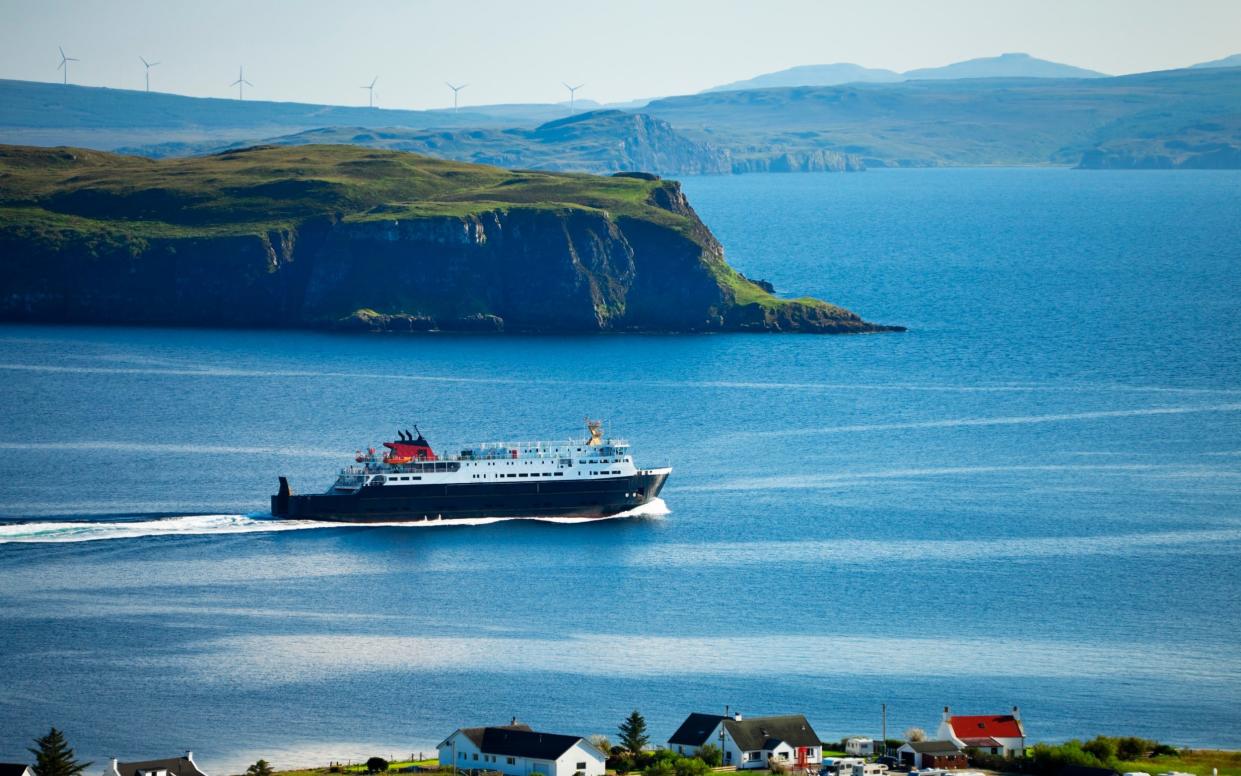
x=514 y=722
x=947 y=714
x=1016 y=713
x=189 y=755
x=736 y=716
x=116 y=766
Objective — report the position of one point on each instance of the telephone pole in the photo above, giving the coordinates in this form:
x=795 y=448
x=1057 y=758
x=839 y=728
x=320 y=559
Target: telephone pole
x=885 y=728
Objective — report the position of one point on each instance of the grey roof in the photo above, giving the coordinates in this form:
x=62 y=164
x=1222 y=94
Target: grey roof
x=767 y=732
x=475 y=734
x=520 y=741
x=933 y=747
x=179 y=766
x=695 y=729
x=13 y=769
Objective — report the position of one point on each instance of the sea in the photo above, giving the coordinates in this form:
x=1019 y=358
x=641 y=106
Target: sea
x=1032 y=498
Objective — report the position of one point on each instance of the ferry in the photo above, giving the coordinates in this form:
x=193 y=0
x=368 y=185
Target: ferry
x=593 y=477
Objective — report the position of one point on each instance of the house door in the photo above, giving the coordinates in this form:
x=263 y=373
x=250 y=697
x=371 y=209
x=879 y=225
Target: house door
x=801 y=756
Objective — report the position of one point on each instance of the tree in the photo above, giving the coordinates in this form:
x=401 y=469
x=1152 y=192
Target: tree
x=376 y=765
x=54 y=757
x=711 y=755
x=915 y=734
x=260 y=768
x=633 y=732
x=601 y=743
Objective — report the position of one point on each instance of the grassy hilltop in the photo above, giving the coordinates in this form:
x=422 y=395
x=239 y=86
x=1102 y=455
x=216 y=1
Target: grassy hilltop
x=342 y=235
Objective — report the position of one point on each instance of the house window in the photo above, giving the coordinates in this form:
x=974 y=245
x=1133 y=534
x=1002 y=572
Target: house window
x=462 y=756
x=581 y=766
x=476 y=755
x=511 y=760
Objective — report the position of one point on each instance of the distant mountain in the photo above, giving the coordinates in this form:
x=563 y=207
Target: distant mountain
x=813 y=75
x=41 y=113
x=1003 y=66
x=1017 y=121
x=1232 y=61
x=598 y=142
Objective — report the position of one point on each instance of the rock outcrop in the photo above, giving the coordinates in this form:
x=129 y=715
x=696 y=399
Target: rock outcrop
x=566 y=263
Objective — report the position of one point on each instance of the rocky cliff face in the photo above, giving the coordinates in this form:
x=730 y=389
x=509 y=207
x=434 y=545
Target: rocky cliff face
x=1221 y=156
x=798 y=161
x=653 y=266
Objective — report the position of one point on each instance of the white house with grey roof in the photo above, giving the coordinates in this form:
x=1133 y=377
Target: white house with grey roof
x=15 y=769
x=169 y=766
x=749 y=743
x=517 y=750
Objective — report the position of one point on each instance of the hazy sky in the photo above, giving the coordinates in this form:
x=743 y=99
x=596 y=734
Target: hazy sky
x=319 y=51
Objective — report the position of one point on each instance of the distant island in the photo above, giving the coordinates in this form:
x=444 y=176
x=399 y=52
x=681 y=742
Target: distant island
x=1007 y=110
x=351 y=238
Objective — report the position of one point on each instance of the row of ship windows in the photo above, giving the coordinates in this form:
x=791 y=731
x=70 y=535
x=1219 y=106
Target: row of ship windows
x=583 y=462
x=523 y=474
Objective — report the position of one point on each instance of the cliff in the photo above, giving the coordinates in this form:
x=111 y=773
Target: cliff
x=348 y=237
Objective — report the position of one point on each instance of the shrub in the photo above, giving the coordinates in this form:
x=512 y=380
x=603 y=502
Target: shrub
x=690 y=766
x=660 y=768
x=1103 y=749
x=712 y=755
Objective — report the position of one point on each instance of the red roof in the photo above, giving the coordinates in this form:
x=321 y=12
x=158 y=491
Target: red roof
x=987 y=725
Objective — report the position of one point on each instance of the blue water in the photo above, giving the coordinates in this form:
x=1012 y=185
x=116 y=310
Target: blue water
x=1031 y=498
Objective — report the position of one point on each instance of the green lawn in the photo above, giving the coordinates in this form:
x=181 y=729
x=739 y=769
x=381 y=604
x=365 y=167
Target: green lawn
x=1198 y=761
x=270 y=187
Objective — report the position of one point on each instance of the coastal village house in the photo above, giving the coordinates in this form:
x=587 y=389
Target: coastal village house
x=750 y=743
x=932 y=754
x=517 y=750
x=1001 y=734
x=15 y=769
x=172 y=766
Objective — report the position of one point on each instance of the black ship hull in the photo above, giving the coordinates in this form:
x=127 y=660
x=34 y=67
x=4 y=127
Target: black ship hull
x=572 y=498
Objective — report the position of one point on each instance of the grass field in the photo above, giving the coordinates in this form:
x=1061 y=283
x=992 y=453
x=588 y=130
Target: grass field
x=270 y=187
x=1196 y=761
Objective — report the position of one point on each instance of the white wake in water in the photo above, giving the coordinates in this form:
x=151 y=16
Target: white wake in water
x=196 y=525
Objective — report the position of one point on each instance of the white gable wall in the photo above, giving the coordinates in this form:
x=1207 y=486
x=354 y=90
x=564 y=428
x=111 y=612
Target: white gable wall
x=581 y=754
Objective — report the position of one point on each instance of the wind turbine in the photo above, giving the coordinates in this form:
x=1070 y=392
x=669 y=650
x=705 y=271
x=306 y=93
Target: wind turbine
x=455 y=89
x=241 y=83
x=572 y=94
x=370 y=99
x=148 y=66
x=64 y=63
